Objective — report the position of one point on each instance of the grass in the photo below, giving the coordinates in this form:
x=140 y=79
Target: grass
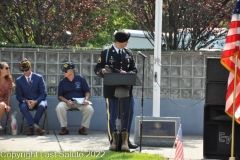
x=93 y=155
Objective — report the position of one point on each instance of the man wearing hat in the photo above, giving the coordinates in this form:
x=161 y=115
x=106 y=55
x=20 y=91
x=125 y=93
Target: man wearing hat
x=118 y=59
x=73 y=86
x=31 y=94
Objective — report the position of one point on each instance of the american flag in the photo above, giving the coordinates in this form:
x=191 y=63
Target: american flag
x=230 y=58
x=179 y=149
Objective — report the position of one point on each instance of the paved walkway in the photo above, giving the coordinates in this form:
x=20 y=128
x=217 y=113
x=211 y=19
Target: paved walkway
x=94 y=141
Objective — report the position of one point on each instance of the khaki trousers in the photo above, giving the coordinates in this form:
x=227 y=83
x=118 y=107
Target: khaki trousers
x=87 y=112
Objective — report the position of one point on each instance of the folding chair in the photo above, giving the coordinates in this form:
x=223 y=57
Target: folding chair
x=7 y=125
x=74 y=110
x=44 y=123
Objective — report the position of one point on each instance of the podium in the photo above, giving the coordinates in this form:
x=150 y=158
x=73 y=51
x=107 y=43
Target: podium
x=122 y=82
x=116 y=79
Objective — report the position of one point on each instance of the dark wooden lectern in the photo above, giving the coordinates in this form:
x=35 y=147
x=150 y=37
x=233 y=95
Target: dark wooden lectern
x=116 y=79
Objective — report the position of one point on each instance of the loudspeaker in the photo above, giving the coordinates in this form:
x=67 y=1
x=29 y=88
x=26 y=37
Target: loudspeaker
x=216 y=93
x=217 y=132
x=217 y=140
x=216 y=113
x=215 y=71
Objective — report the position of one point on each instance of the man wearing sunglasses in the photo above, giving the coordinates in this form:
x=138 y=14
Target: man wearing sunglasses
x=73 y=86
x=31 y=94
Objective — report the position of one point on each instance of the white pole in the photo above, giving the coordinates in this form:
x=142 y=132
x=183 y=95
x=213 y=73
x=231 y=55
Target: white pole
x=157 y=58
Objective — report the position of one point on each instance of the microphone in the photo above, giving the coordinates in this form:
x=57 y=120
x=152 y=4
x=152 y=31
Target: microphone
x=115 y=69
x=111 y=69
x=138 y=52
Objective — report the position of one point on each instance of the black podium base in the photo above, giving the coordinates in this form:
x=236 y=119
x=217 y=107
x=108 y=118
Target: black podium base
x=119 y=142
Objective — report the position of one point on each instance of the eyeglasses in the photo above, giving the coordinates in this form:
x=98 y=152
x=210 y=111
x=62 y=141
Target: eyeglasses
x=7 y=68
x=25 y=70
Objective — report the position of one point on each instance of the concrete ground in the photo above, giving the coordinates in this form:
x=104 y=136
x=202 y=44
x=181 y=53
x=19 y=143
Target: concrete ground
x=94 y=141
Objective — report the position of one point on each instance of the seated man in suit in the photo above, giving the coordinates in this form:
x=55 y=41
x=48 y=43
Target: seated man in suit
x=31 y=94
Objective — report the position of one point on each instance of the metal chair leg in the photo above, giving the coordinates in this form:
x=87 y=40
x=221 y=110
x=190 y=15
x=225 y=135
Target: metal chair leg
x=6 y=124
x=46 y=116
x=45 y=120
x=22 y=125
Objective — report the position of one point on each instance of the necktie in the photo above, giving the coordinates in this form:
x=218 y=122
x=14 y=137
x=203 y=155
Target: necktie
x=119 y=53
x=29 y=82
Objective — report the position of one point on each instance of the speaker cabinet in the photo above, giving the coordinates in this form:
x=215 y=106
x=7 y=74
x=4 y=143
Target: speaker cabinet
x=216 y=113
x=215 y=71
x=217 y=132
x=216 y=93
x=217 y=140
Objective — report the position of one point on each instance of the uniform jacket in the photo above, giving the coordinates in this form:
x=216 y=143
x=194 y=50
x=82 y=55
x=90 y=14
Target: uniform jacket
x=35 y=91
x=114 y=60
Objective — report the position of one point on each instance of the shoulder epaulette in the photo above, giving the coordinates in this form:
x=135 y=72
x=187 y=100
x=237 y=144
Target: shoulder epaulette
x=128 y=51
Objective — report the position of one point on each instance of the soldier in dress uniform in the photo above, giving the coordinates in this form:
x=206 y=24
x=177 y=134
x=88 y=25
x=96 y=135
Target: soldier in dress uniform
x=120 y=59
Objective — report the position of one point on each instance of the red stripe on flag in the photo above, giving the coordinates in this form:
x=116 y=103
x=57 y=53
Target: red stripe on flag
x=234 y=24
x=233 y=38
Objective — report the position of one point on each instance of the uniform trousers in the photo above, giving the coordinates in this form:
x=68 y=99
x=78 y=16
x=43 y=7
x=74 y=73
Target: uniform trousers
x=112 y=114
x=87 y=112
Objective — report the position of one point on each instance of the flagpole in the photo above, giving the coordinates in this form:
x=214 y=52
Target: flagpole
x=233 y=110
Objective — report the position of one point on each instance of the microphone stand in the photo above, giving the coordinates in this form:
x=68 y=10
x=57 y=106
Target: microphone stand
x=142 y=106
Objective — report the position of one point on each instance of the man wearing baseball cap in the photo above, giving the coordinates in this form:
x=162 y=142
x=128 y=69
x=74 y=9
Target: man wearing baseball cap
x=73 y=86
x=119 y=59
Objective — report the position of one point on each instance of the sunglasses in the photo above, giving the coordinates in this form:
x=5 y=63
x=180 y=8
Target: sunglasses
x=25 y=70
x=7 y=68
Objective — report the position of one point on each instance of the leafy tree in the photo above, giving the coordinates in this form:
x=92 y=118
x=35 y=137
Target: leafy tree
x=187 y=24
x=142 y=13
x=116 y=19
x=42 y=22
x=194 y=24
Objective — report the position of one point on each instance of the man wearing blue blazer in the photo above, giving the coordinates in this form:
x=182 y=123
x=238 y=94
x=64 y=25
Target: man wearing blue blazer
x=31 y=94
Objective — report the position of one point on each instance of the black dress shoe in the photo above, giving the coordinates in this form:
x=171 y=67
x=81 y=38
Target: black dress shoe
x=132 y=146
